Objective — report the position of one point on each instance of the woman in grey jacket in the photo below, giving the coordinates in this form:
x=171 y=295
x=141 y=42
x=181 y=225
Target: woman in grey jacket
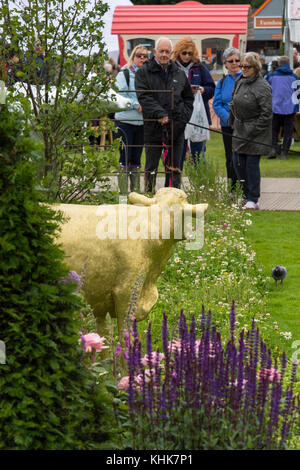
x=251 y=118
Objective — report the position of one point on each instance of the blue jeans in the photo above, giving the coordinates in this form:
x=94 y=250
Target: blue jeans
x=248 y=173
x=197 y=149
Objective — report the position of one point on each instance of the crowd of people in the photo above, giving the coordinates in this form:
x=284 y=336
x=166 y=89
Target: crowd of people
x=256 y=108
x=13 y=69
x=253 y=109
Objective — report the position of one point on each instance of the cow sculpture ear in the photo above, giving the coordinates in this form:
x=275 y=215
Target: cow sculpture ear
x=136 y=198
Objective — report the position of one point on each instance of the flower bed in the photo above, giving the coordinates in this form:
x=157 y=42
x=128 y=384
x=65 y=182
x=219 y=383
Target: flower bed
x=201 y=395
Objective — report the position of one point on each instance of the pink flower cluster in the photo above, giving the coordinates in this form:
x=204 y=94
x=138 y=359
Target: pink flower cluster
x=156 y=358
x=176 y=344
x=271 y=374
x=138 y=380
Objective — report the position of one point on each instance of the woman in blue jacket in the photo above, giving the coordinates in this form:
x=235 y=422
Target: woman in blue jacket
x=222 y=98
x=186 y=57
x=129 y=123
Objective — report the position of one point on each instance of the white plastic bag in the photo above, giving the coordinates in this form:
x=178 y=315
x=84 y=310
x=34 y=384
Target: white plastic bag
x=193 y=133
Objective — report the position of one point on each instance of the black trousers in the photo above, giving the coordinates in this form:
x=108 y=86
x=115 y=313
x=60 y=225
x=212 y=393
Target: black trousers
x=227 y=140
x=171 y=159
x=286 y=121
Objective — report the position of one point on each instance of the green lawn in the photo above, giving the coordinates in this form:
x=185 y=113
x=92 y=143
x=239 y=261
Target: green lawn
x=275 y=168
x=274 y=236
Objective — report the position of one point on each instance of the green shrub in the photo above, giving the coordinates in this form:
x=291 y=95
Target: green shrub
x=48 y=397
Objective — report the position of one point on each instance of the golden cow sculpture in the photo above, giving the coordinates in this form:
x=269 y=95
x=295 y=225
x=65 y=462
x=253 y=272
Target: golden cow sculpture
x=122 y=247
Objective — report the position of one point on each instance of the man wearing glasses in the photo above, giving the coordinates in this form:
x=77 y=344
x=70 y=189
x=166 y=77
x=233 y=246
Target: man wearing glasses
x=168 y=109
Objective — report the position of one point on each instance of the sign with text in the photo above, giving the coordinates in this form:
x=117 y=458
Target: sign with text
x=264 y=22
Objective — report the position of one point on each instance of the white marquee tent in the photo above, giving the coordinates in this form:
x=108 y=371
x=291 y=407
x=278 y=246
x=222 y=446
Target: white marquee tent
x=111 y=40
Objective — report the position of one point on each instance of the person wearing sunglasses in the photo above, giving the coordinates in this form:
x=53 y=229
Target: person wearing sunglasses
x=251 y=118
x=284 y=108
x=186 y=57
x=167 y=101
x=222 y=98
x=129 y=123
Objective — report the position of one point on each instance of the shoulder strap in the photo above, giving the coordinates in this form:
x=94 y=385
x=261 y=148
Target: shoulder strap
x=222 y=81
x=126 y=73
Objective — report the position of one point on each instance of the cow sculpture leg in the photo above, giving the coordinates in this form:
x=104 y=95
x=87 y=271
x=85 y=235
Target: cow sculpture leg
x=122 y=305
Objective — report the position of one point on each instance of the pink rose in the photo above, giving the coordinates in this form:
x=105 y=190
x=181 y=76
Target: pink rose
x=138 y=379
x=93 y=342
x=124 y=383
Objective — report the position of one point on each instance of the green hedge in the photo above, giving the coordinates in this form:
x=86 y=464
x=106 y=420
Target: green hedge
x=48 y=398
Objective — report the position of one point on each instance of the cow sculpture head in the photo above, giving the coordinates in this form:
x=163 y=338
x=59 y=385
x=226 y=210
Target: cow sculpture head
x=171 y=206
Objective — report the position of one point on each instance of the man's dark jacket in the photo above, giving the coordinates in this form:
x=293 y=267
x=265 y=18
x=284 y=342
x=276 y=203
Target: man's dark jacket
x=157 y=105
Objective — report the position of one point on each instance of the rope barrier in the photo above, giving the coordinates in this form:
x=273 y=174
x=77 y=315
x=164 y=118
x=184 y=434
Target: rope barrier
x=297 y=152
x=239 y=138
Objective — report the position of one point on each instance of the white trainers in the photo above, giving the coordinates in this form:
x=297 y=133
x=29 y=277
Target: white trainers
x=251 y=205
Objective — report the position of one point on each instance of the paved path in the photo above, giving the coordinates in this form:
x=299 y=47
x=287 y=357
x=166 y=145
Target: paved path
x=280 y=194
x=276 y=193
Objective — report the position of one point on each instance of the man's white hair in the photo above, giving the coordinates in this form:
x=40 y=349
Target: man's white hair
x=162 y=38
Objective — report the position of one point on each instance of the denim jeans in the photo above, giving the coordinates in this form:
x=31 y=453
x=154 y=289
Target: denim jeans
x=248 y=173
x=196 y=148
x=227 y=140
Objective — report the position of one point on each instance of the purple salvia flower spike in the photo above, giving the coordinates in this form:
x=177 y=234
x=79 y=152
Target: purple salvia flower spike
x=163 y=403
x=240 y=377
x=131 y=380
x=165 y=339
x=232 y=319
x=274 y=408
x=149 y=342
x=166 y=351
x=283 y=366
x=127 y=340
x=203 y=319
x=134 y=328
x=208 y=320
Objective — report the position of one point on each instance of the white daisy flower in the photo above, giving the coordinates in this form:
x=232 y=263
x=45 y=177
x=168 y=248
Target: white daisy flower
x=248 y=222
